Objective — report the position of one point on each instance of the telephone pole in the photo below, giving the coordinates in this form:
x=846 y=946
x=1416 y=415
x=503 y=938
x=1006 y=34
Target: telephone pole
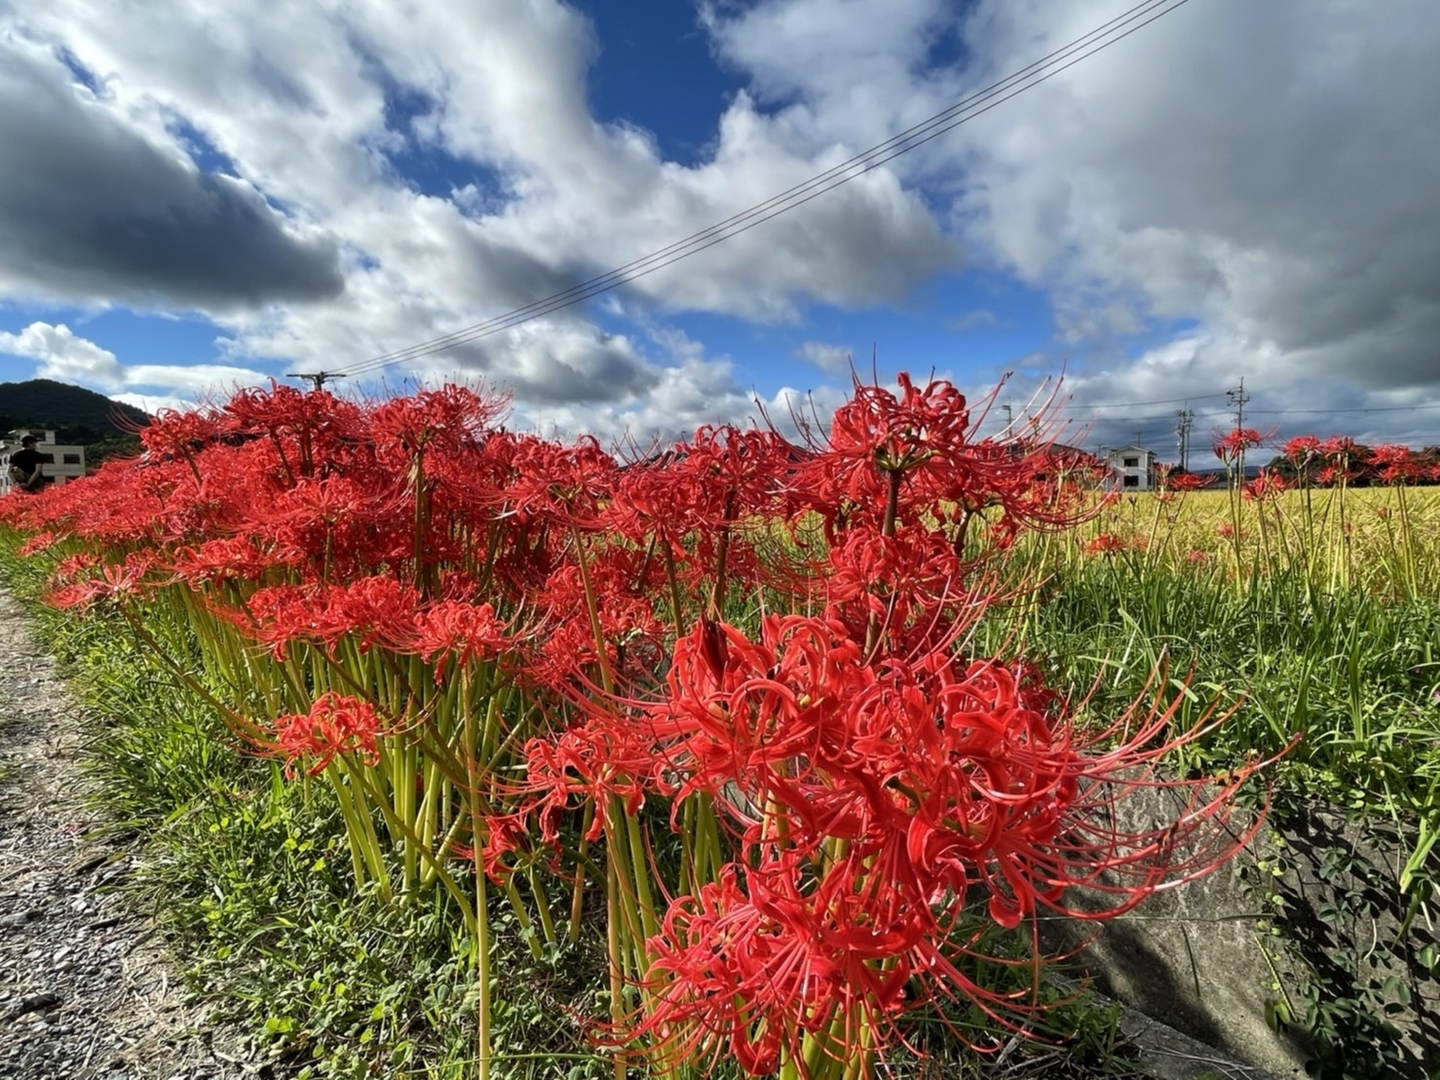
x=1185 y=418
x=1238 y=398
x=317 y=379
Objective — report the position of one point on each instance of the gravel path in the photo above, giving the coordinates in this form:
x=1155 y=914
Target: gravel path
x=85 y=990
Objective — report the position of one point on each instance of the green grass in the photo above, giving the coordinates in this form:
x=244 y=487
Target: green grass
x=1355 y=677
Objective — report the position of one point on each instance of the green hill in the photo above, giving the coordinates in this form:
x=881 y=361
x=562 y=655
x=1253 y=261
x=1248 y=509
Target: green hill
x=77 y=415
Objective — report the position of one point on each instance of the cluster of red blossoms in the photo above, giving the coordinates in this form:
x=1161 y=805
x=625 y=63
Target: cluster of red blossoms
x=870 y=780
x=1309 y=461
x=873 y=803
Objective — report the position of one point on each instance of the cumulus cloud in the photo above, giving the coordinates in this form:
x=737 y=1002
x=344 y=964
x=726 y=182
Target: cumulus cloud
x=92 y=210
x=65 y=357
x=313 y=129
x=1259 y=168
x=293 y=130
x=1238 y=190
x=545 y=364
x=836 y=359
x=1244 y=189
x=979 y=319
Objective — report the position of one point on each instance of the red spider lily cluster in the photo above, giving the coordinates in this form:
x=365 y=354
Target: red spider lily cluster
x=514 y=648
x=1310 y=461
x=335 y=724
x=1113 y=544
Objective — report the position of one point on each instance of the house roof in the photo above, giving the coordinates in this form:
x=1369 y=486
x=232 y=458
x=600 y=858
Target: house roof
x=1124 y=449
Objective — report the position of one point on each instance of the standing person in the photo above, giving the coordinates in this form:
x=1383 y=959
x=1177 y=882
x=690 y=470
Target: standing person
x=25 y=471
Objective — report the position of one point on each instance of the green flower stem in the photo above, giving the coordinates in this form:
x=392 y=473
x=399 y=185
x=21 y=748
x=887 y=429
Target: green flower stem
x=482 y=912
x=527 y=924
x=365 y=851
x=577 y=893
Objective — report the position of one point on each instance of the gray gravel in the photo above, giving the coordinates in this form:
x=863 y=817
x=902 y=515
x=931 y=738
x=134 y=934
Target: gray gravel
x=86 y=990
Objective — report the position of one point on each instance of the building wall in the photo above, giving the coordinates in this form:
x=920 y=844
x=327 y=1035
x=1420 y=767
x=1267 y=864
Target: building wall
x=1131 y=469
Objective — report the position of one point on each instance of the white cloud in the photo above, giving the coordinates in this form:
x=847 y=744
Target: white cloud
x=296 y=101
x=196 y=378
x=1253 y=166
x=836 y=359
x=65 y=357
x=1257 y=175
x=155 y=403
x=979 y=319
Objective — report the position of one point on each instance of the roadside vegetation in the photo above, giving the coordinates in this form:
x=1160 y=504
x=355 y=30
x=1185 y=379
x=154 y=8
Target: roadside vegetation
x=457 y=753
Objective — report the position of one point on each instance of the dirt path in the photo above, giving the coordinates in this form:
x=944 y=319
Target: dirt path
x=85 y=990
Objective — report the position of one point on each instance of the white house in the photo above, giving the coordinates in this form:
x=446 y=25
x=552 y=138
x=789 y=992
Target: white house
x=1132 y=468
x=62 y=462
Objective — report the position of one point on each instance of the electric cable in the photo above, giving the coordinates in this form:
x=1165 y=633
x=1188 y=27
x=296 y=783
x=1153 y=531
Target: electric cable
x=1033 y=74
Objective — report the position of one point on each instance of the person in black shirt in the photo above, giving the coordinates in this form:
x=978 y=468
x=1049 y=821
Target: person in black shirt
x=25 y=471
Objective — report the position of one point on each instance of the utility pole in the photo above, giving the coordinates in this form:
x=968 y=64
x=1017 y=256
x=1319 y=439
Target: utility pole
x=1238 y=398
x=1182 y=429
x=317 y=379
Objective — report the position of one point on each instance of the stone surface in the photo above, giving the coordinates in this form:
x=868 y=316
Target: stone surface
x=1203 y=957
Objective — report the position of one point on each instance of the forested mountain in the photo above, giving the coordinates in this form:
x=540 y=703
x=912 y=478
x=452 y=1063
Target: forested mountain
x=77 y=415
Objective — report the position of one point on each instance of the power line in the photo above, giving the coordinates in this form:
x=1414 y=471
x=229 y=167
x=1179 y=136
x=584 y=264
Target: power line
x=1327 y=412
x=1097 y=40
x=1133 y=404
x=1249 y=412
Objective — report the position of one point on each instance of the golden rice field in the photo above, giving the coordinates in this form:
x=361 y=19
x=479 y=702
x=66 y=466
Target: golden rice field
x=1385 y=540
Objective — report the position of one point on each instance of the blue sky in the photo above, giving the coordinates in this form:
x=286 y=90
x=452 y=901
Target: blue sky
x=194 y=199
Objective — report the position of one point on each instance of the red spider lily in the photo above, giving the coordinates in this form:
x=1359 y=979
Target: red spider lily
x=566 y=485
x=130 y=578
x=235 y=558
x=898 y=434
x=336 y=724
x=1174 y=479
x=374 y=611
x=181 y=433
x=1265 y=487
x=460 y=632
x=937 y=777
x=1106 y=544
x=751 y=971
x=451 y=420
x=873 y=785
x=1342 y=458
x=1397 y=464
x=914 y=578
x=925 y=438
x=1301 y=448
x=1234 y=443
x=36 y=543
